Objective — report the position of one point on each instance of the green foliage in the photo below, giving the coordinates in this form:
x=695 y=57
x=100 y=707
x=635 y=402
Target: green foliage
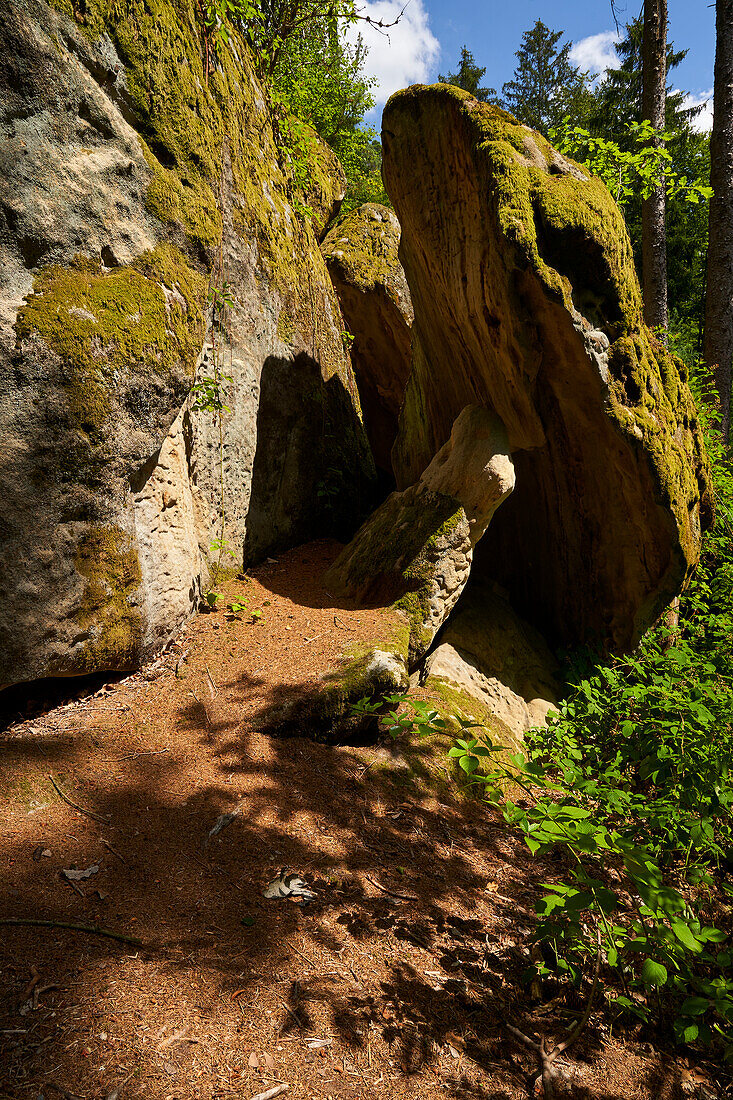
x=405 y=718
x=314 y=78
x=236 y=607
x=318 y=79
x=546 y=86
x=609 y=113
x=631 y=783
x=209 y=391
x=468 y=76
x=633 y=169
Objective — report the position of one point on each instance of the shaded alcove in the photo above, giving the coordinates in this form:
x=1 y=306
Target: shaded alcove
x=307 y=480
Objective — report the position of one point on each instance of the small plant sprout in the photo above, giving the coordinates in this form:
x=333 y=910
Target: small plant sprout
x=238 y=606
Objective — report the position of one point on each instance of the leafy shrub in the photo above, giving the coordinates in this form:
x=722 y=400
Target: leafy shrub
x=631 y=782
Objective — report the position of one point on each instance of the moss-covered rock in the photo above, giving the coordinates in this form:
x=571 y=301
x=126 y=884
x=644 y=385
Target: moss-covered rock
x=139 y=176
x=526 y=301
x=491 y=656
x=415 y=552
x=361 y=252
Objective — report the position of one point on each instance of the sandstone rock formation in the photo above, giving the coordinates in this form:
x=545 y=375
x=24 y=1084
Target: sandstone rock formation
x=415 y=551
x=489 y=653
x=526 y=302
x=361 y=256
x=135 y=188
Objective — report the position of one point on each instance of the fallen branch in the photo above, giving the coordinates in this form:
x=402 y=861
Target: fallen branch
x=92 y=929
x=65 y=798
x=391 y=893
x=547 y=1058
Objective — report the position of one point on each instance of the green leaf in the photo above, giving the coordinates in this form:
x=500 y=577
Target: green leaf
x=695 y=1006
x=685 y=935
x=653 y=973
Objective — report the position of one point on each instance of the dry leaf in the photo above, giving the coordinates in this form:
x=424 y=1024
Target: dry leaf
x=76 y=876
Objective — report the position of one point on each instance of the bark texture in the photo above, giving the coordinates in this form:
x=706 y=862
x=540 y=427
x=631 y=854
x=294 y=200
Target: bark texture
x=653 y=213
x=718 y=346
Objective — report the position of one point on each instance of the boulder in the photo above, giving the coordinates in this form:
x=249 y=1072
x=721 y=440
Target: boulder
x=326 y=181
x=527 y=302
x=147 y=242
x=488 y=652
x=361 y=255
x=414 y=553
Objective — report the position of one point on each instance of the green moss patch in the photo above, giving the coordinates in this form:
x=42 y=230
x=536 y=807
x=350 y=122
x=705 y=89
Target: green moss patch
x=108 y=611
x=101 y=322
x=363 y=244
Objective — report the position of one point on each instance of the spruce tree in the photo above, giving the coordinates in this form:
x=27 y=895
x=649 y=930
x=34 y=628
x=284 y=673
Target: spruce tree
x=546 y=86
x=469 y=76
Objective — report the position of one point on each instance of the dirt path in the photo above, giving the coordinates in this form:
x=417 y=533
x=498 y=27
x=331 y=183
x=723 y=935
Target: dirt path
x=357 y=994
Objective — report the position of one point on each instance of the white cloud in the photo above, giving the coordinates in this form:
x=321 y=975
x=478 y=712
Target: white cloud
x=595 y=54
x=401 y=55
x=704 y=121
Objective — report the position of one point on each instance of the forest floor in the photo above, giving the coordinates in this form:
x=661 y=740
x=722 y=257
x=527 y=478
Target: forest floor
x=396 y=982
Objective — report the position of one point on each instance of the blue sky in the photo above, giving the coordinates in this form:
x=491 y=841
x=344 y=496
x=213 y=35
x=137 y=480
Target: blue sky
x=430 y=35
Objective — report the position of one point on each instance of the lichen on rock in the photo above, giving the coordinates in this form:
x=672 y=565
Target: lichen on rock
x=415 y=552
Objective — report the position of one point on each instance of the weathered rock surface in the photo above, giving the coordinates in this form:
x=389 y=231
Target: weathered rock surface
x=489 y=653
x=415 y=551
x=129 y=186
x=327 y=182
x=526 y=301
x=361 y=255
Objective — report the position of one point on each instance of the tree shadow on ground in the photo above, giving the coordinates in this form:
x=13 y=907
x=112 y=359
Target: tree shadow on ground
x=409 y=959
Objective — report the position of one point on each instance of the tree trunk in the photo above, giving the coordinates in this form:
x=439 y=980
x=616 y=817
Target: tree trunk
x=718 y=343
x=653 y=102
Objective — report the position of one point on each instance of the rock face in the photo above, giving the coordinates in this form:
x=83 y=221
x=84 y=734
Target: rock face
x=526 y=302
x=415 y=551
x=489 y=653
x=361 y=255
x=147 y=242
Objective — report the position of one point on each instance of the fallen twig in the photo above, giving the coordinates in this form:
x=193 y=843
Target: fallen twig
x=64 y=1092
x=547 y=1058
x=337 y=622
x=276 y=1091
x=92 y=929
x=391 y=893
x=65 y=798
x=111 y=849
x=221 y=823
x=35 y=979
x=134 y=755
x=293 y=1014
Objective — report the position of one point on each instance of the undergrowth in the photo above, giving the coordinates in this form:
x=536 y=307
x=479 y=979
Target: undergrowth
x=630 y=784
